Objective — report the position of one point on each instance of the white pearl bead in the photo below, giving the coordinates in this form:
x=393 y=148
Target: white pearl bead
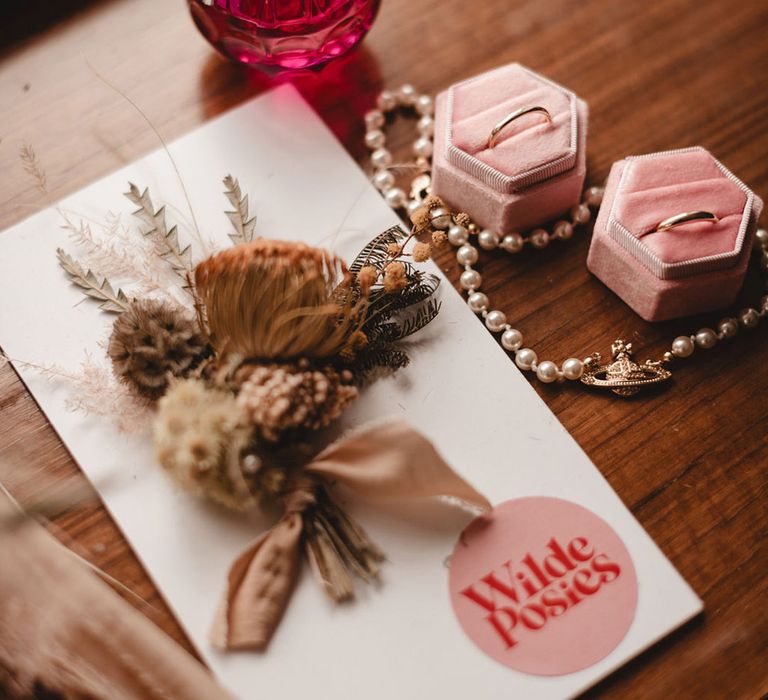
x=381 y=158
x=375 y=139
x=440 y=218
x=581 y=214
x=573 y=368
x=422 y=146
x=426 y=125
x=495 y=320
x=728 y=327
x=383 y=180
x=395 y=197
x=407 y=95
x=457 y=235
x=512 y=243
x=762 y=237
x=487 y=240
x=539 y=238
x=470 y=279
x=386 y=101
x=764 y=304
x=424 y=104
x=412 y=207
x=682 y=346
x=374 y=119
x=511 y=339
x=477 y=302
x=749 y=318
x=764 y=260
x=595 y=196
x=546 y=371
x=466 y=255
x=563 y=230
x=525 y=358
x=705 y=338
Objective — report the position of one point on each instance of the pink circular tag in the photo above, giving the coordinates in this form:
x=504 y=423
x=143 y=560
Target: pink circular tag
x=543 y=585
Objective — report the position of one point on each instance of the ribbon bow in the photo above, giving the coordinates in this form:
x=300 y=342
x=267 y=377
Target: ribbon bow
x=386 y=462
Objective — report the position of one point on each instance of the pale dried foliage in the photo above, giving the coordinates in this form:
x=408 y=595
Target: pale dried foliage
x=244 y=225
x=32 y=166
x=116 y=251
x=164 y=239
x=99 y=288
x=97 y=392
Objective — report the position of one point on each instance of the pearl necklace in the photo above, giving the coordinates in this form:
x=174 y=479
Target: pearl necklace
x=622 y=374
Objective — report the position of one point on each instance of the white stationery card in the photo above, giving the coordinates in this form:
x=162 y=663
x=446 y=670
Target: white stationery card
x=411 y=636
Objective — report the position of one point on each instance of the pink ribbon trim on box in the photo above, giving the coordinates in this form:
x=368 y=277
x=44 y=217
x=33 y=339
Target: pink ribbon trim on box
x=386 y=462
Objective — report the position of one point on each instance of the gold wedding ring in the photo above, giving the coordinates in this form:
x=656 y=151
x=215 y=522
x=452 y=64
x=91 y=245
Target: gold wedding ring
x=504 y=123
x=684 y=218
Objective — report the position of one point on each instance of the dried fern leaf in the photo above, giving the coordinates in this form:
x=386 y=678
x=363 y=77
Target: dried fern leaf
x=245 y=228
x=86 y=279
x=165 y=240
x=378 y=357
x=375 y=252
x=415 y=321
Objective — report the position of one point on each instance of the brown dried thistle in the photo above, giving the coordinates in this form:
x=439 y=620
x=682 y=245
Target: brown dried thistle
x=151 y=342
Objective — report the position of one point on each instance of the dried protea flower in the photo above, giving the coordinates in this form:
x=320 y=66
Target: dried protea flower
x=201 y=435
x=282 y=398
x=271 y=300
x=153 y=341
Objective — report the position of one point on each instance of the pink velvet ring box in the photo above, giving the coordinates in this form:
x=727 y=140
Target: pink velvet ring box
x=534 y=172
x=693 y=268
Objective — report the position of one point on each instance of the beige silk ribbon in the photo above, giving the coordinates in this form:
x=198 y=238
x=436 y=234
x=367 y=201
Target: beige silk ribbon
x=389 y=461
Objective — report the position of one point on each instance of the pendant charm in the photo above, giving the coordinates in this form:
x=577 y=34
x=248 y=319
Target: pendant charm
x=623 y=376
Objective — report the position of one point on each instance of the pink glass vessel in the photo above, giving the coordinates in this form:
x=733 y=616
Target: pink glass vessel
x=283 y=34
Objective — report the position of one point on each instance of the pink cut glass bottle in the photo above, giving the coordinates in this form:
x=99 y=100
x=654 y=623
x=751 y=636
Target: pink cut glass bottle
x=283 y=34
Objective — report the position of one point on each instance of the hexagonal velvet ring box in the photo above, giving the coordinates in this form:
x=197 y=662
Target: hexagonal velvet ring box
x=533 y=172
x=693 y=267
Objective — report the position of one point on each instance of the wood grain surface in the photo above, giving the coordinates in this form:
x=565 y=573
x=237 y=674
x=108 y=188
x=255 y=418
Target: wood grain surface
x=690 y=461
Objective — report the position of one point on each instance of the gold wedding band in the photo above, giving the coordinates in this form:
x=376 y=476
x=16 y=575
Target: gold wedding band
x=511 y=117
x=684 y=218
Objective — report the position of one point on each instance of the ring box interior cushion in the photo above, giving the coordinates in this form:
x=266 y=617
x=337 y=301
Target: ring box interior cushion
x=534 y=172
x=693 y=268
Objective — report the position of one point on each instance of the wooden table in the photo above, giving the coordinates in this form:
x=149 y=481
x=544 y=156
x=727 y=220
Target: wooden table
x=690 y=463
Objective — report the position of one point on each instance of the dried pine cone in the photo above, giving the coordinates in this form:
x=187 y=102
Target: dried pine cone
x=152 y=341
x=200 y=435
x=280 y=398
